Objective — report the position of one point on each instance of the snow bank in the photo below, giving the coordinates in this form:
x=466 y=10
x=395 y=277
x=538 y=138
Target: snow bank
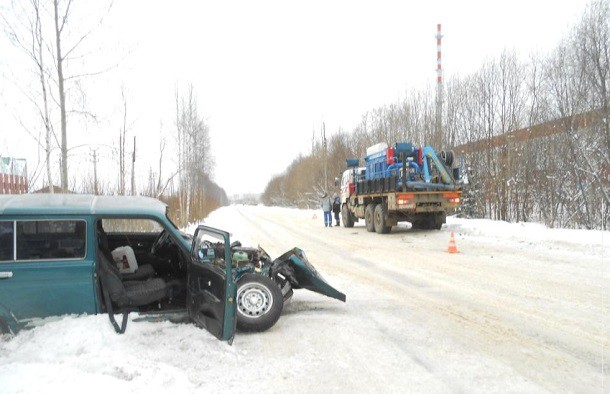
x=531 y=232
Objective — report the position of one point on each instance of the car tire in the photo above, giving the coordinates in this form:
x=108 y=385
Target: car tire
x=348 y=219
x=380 y=219
x=259 y=303
x=369 y=217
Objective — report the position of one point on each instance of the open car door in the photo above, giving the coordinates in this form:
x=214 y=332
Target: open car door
x=211 y=290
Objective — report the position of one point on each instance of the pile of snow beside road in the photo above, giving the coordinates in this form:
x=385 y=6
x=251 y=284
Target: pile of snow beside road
x=527 y=232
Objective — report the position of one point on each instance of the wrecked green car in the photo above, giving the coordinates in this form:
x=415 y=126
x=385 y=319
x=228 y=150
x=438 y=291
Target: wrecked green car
x=74 y=254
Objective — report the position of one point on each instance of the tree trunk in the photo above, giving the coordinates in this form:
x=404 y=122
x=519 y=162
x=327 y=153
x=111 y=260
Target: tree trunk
x=43 y=85
x=62 y=100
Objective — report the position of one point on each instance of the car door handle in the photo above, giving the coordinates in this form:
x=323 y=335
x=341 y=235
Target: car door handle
x=6 y=275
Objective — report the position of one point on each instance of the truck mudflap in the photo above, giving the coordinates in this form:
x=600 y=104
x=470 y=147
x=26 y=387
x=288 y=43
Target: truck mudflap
x=294 y=267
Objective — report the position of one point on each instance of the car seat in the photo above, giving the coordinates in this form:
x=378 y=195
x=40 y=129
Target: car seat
x=126 y=295
x=143 y=272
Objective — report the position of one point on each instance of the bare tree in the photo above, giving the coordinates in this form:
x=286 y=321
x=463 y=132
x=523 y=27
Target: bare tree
x=59 y=28
x=32 y=44
x=122 y=136
x=195 y=162
x=60 y=45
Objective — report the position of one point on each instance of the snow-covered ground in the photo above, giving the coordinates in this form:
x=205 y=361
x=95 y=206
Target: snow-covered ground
x=521 y=308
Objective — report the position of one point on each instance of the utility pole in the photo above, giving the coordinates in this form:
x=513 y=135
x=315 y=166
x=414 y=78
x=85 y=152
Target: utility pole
x=122 y=162
x=95 y=188
x=133 y=166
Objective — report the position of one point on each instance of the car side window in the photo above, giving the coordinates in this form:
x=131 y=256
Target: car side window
x=7 y=242
x=51 y=239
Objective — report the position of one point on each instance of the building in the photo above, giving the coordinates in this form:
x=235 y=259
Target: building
x=13 y=176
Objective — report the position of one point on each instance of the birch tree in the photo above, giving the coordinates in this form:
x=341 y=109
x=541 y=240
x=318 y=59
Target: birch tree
x=54 y=40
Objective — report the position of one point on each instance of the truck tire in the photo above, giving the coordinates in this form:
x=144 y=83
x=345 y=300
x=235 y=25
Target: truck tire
x=429 y=221
x=439 y=219
x=369 y=217
x=259 y=303
x=381 y=219
x=346 y=215
x=421 y=222
x=448 y=157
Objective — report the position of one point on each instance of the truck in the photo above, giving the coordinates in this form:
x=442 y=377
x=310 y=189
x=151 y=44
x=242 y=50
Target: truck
x=400 y=183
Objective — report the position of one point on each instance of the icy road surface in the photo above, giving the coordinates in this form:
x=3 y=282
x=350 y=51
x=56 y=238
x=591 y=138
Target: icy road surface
x=521 y=309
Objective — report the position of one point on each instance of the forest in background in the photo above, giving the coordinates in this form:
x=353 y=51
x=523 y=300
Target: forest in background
x=559 y=177
x=187 y=189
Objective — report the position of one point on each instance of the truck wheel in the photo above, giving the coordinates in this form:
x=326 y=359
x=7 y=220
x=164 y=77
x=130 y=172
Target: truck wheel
x=348 y=220
x=381 y=216
x=439 y=219
x=259 y=303
x=429 y=222
x=447 y=156
x=421 y=222
x=369 y=217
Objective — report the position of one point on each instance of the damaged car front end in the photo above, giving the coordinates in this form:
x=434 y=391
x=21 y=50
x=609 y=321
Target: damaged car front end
x=263 y=284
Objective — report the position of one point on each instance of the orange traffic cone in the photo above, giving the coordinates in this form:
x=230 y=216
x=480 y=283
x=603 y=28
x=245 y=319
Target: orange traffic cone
x=314 y=216
x=452 y=248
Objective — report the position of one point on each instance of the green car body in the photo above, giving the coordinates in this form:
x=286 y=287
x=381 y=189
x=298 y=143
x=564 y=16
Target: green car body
x=51 y=253
x=33 y=287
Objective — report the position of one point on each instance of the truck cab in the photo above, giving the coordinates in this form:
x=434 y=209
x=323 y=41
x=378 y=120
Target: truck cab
x=348 y=182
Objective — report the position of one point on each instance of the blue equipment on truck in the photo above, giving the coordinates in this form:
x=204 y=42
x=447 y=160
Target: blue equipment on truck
x=401 y=183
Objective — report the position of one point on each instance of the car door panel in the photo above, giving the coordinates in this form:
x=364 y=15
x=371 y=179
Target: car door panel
x=211 y=289
x=41 y=283
x=206 y=306
x=48 y=288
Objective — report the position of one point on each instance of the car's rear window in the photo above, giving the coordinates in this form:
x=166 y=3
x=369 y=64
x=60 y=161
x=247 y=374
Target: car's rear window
x=6 y=241
x=51 y=239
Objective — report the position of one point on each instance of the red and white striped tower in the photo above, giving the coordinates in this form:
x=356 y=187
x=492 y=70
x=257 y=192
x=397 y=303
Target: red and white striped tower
x=439 y=89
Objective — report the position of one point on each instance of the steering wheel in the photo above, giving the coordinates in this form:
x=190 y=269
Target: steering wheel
x=161 y=241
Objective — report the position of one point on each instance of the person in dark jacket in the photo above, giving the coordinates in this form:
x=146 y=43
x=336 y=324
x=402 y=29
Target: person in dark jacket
x=327 y=205
x=337 y=208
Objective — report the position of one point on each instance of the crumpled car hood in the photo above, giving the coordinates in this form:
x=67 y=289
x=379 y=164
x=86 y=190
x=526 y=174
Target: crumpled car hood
x=295 y=267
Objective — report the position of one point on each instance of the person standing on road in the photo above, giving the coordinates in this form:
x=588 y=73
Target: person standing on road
x=336 y=208
x=326 y=205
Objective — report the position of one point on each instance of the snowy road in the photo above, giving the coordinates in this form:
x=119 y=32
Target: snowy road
x=522 y=308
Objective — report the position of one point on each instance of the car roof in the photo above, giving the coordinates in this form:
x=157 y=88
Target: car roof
x=79 y=204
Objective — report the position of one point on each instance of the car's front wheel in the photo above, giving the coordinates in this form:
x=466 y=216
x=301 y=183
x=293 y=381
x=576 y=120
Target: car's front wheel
x=259 y=303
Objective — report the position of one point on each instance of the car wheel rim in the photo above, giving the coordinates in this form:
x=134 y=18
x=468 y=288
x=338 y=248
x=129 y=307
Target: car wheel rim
x=254 y=300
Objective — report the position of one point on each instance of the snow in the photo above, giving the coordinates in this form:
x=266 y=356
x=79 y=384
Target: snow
x=521 y=308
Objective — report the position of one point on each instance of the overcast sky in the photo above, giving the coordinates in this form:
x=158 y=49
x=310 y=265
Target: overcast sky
x=267 y=74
